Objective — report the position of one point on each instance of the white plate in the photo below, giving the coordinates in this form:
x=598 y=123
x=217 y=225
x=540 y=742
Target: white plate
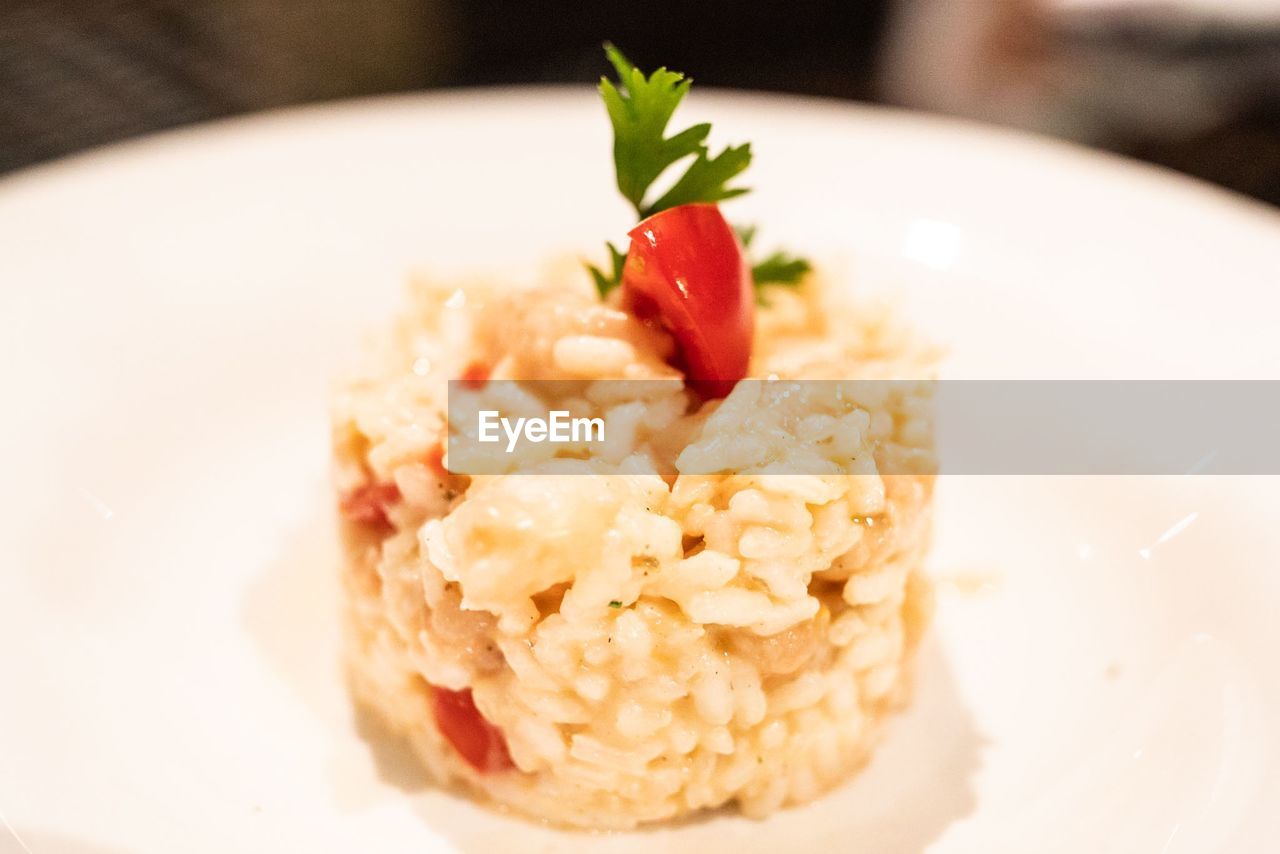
x=172 y=310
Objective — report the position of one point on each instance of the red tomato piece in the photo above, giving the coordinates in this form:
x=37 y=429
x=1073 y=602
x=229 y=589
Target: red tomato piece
x=476 y=740
x=368 y=504
x=475 y=376
x=435 y=461
x=686 y=270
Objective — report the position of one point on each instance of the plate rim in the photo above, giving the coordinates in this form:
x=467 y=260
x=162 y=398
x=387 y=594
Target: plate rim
x=1072 y=154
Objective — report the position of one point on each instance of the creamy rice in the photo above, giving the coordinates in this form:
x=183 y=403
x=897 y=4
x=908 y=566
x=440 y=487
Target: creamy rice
x=647 y=646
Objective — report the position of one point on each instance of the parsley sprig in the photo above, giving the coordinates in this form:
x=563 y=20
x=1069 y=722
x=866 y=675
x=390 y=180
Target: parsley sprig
x=780 y=268
x=640 y=107
x=606 y=282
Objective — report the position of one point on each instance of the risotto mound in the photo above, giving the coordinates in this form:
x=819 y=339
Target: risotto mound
x=612 y=638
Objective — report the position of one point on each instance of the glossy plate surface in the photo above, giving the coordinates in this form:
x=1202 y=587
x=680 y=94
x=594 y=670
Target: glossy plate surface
x=1102 y=673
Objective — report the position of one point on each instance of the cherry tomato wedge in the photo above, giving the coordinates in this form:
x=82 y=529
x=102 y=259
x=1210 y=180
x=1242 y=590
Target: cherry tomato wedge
x=435 y=461
x=367 y=505
x=475 y=376
x=686 y=270
x=476 y=740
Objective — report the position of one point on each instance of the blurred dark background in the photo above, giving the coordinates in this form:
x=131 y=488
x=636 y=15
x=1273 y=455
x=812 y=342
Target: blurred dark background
x=1192 y=84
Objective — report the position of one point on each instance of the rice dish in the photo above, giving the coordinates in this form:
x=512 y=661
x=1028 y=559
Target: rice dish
x=644 y=648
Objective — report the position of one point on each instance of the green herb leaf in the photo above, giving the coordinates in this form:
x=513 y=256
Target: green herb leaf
x=640 y=107
x=615 y=604
x=606 y=283
x=780 y=269
x=706 y=180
